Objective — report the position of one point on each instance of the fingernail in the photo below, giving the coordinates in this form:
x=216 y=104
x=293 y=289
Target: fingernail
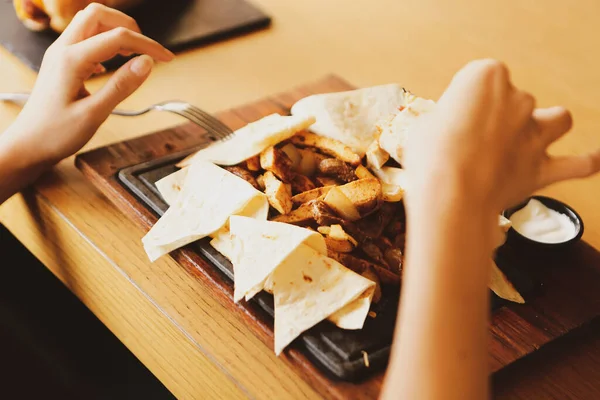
x=142 y=65
x=100 y=69
x=170 y=54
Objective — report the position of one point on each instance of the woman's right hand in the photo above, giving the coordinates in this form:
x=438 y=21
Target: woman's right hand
x=486 y=142
x=61 y=115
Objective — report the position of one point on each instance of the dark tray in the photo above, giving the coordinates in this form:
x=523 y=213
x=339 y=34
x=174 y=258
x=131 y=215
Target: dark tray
x=338 y=352
x=176 y=24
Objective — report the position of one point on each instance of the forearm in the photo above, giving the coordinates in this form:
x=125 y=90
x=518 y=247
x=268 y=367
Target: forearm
x=442 y=330
x=19 y=164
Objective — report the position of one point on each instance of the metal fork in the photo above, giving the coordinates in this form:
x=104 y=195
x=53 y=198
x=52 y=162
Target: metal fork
x=216 y=129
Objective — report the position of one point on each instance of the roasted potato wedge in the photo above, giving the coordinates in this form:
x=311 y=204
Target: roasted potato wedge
x=363 y=172
x=376 y=156
x=244 y=174
x=261 y=182
x=276 y=161
x=309 y=195
x=277 y=193
x=340 y=246
x=300 y=216
x=301 y=184
x=309 y=161
x=337 y=232
x=391 y=193
x=293 y=154
x=341 y=204
x=337 y=169
x=365 y=194
x=253 y=164
x=324 y=230
x=327 y=145
x=371 y=275
x=337 y=239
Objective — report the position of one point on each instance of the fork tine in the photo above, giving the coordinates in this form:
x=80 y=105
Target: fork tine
x=213 y=133
x=192 y=118
x=217 y=130
x=223 y=130
x=214 y=121
x=216 y=133
x=198 y=120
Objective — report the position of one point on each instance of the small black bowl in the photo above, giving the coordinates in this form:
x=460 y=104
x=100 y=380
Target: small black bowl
x=515 y=237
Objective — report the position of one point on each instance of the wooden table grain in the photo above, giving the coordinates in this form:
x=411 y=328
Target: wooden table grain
x=162 y=313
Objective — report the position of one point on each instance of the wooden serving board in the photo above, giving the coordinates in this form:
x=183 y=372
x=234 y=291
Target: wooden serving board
x=568 y=295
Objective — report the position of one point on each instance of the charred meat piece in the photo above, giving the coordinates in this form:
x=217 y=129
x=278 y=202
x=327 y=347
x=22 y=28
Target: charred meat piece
x=375 y=224
x=373 y=252
x=324 y=215
x=400 y=240
x=360 y=265
x=327 y=181
x=394 y=258
x=244 y=174
x=301 y=184
x=337 y=169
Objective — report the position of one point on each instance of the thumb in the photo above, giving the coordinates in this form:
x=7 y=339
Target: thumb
x=121 y=85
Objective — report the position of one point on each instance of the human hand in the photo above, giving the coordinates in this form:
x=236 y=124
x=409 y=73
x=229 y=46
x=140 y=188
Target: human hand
x=486 y=142
x=61 y=116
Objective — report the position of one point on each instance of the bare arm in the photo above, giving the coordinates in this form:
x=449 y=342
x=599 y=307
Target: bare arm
x=61 y=116
x=441 y=350
x=483 y=149
x=18 y=168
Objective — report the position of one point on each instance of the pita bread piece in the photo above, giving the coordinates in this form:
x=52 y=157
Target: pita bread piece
x=354 y=314
x=351 y=116
x=395 y=130
x=308 y=287
x=254 y=268
x=170 y=186
x=260 y=247
x=503 y=288
x=499 y=283
x=251 y=140
x=393 y=183
x=210 y=195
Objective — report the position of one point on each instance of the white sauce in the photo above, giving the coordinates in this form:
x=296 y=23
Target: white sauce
x=542 y=224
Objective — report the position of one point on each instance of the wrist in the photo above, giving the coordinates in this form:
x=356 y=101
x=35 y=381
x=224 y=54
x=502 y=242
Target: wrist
x=447 y=209
x=447 y=188
x=17 y=151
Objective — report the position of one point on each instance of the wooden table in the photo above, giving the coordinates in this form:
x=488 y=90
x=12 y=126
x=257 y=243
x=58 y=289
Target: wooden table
x=161 y=312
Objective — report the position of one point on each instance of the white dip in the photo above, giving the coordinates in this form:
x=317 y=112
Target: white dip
x=542 y=224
